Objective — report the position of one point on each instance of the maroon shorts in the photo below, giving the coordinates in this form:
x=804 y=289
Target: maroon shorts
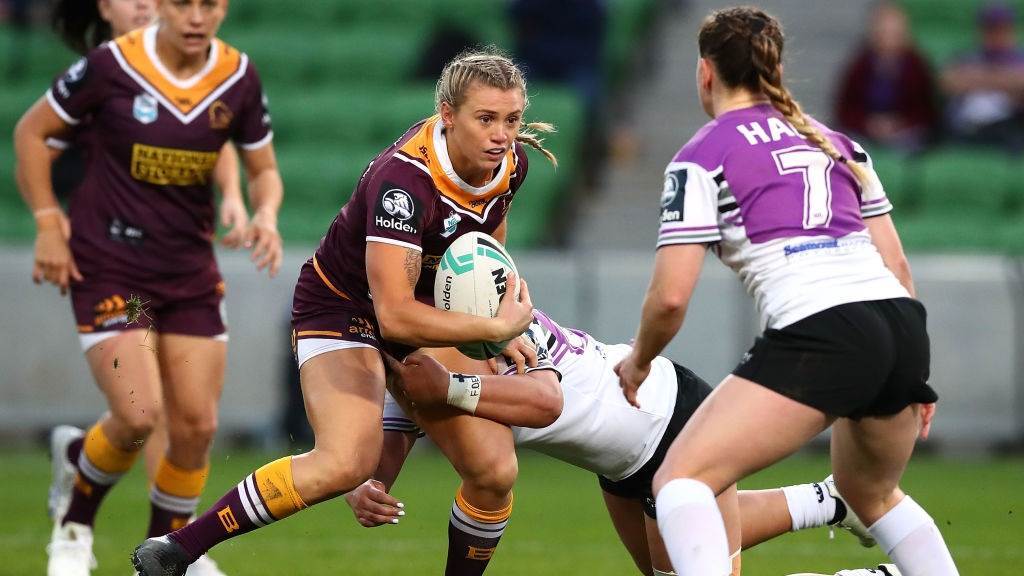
x=191 y=305
x=320 y=311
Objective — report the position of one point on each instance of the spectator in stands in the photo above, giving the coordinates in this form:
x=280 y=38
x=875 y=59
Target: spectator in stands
x=986 y=88
x=444 y=44
x=562 y=42
x=886 y=94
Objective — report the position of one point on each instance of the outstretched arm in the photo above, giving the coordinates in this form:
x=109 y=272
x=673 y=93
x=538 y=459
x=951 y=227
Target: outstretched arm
x=676 y=269
x=532 y=400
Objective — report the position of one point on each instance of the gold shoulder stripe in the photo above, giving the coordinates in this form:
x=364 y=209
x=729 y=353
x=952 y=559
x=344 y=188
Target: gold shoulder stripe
x=132 y=47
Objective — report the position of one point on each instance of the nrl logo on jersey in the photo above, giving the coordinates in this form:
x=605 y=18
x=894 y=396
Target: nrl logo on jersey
x=144 y=108
x=451 y=223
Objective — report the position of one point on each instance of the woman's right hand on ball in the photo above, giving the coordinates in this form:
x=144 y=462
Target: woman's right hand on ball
x=514 y=316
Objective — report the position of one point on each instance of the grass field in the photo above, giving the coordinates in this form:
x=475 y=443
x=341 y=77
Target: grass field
x=558 y=527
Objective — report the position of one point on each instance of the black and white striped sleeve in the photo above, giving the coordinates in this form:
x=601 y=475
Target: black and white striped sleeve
x=873 y=201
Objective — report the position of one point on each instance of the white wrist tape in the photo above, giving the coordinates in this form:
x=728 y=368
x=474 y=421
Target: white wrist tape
x=464 y=391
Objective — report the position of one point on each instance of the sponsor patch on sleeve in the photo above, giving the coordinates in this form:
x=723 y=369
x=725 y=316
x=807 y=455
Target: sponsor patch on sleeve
x=397 y=210
x=672 y=195
x=73 y=78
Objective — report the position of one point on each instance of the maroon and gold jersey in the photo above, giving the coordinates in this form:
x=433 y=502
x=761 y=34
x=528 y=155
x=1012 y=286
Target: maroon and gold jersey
x=146 y=207
x=411 y=196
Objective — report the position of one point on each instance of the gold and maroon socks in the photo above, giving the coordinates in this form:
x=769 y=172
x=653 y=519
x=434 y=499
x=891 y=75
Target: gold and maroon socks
x=174 y=497
x=263 y=497
x=473 y=536
x=100 y=465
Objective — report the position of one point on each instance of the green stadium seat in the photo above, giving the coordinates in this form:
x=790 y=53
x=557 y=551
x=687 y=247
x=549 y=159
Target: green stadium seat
x=899 y=176
x=328 y=14
x=949 y=233
x=942 y=43
x=966 y=182
x=940 y=13
x=348 y=114
x=360 y=55
x=534 y=208
x=318 y=180
x=38 y=51
x=626 y=20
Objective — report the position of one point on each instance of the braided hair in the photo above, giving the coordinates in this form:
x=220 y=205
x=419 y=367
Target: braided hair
x=745 y=45
x=490 y=67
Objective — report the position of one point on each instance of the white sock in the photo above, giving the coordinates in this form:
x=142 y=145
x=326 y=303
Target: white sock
x=691 y=526
x=909 y=536
x=810 y=505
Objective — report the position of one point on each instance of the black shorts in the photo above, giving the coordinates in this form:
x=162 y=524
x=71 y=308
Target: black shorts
x=692 y=391
x=853 y=360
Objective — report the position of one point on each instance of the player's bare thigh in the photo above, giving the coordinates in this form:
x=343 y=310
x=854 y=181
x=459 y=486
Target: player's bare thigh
x=739 y=429
x=343 y=391
x=125 y=367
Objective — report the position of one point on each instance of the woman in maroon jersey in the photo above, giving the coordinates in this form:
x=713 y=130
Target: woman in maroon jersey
x=83 y=26
x=158 y=106
x=368 y=289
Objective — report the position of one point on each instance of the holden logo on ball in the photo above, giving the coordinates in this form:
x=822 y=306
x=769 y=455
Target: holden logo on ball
x=398 y=203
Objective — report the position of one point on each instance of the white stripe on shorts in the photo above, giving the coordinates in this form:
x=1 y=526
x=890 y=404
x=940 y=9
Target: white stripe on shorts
x=306 y=348
x=90 y=339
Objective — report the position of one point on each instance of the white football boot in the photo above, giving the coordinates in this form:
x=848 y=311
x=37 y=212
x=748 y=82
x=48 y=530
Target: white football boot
x=882 y=570
x=204 y=566
x=63 y=471
x=70 y=551
x=850 y=521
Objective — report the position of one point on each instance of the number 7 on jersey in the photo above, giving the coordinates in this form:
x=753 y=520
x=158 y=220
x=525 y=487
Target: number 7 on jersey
x=816 y=167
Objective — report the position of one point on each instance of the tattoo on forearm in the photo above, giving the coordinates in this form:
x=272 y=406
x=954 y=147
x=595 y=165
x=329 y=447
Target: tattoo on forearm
x=413 y=261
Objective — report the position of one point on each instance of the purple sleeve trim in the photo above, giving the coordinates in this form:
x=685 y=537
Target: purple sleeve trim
x=678 y=228
x=875 y=201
